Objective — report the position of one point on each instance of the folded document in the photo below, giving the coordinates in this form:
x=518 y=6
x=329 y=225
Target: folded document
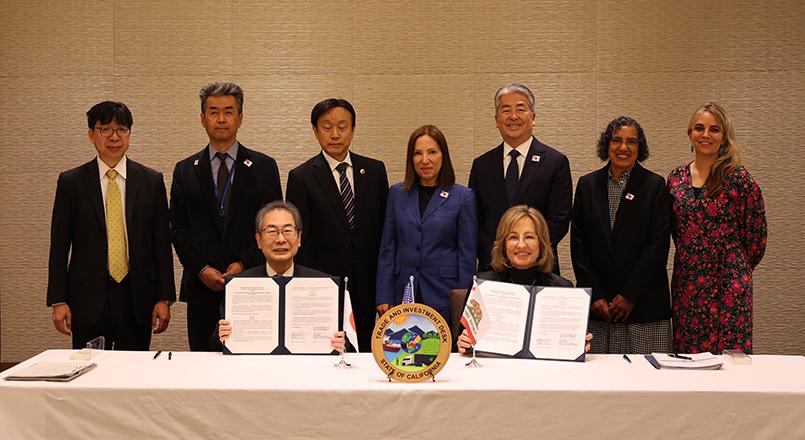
x=698 y=361
x=52 y=371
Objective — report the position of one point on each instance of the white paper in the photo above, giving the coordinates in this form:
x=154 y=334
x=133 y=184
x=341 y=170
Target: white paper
x=252 y=307
x=560 y=323
x=311 y=314
x=507 y=307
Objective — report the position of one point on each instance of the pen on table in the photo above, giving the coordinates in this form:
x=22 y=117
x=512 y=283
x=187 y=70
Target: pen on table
x=158 y=353
x=679 y=356
x=626 y=358
x=170 y=355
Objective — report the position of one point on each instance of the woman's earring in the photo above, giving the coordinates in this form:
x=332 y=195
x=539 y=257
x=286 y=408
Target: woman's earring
x=721 y=150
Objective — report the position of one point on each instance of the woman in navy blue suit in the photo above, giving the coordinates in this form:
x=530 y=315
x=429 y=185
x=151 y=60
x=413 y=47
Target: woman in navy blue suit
x=430 y=230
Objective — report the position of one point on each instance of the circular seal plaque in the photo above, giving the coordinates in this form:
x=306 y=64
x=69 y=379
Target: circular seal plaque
x=411 y=343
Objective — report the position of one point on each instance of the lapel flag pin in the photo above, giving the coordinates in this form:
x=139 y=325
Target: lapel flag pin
x=195 y=162
x=363 y=171
x=248 y=163
x=444 y=194
x=629 y=196
x=535 y=158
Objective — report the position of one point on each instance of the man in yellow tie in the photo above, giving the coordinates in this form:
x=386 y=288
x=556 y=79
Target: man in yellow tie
x=111 y=268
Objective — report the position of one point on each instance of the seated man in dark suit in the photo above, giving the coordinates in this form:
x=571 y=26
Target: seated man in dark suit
x=278 y=235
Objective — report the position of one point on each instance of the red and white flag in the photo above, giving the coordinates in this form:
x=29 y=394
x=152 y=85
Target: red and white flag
x=473 y=317
x=349 y=321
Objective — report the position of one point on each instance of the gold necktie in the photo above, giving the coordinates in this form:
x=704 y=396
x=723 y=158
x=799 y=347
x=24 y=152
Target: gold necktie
x=115 y=235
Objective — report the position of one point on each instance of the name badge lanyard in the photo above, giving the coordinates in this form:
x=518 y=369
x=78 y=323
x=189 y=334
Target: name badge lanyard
x=222 y=197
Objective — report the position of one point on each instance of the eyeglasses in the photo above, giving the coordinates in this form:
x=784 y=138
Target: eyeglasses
x=107 y=131
x=273 y=231
x=514 y=240
x=632 y=142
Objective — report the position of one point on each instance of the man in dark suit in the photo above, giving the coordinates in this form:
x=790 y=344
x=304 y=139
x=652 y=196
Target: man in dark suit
x=539 y=176
x=342 y=198
x=214 y=197
x=111 y=270
x=278 y=236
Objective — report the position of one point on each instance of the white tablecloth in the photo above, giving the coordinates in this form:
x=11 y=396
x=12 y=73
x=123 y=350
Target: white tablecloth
x=208 y=395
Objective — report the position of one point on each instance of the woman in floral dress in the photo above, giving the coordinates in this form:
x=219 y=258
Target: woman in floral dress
x=719 y=229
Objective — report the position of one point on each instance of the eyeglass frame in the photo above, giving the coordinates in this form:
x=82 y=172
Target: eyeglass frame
x=287 y=231
x=122 y=132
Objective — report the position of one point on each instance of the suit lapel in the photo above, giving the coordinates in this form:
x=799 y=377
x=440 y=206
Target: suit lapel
x=132 y=190
x=601 y=202
x=629 y=199
x=533 y=161
x=435 y=202
x=201 y=164
x=93 y=183
x=324 y=175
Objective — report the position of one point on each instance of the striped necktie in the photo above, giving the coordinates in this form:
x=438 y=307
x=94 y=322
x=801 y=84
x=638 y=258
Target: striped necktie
x=347 y=198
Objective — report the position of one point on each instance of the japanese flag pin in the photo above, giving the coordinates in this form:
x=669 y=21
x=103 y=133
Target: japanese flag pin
x=363 y=171
x=629 y=196
x=535 y=158
x=444 y=194
x=248 y=163
x=195 y=162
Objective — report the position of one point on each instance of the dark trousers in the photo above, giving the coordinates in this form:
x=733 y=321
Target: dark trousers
x=202 y=319
x=117 y=324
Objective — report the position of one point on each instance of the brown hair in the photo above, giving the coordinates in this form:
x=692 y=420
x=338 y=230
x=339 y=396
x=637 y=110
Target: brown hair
x=447 y=176
x=500 y=261
x=729 y=152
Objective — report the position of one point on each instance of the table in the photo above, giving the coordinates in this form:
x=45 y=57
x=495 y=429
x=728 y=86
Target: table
x=208 y=395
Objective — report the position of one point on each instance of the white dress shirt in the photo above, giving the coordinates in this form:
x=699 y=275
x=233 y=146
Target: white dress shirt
x=522 y=149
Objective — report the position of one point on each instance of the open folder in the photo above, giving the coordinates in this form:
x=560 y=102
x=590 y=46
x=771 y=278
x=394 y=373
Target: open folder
x=698 y=361
x=534 y=322
x=52 y=371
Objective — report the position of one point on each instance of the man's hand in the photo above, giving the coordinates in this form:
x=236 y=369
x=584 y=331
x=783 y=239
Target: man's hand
x=382 y=309
x=234 y=268
x=224 y=330
x=337 y=342
x=160 y=317
x=212 y=279
x=62 y=318
x=601 y=308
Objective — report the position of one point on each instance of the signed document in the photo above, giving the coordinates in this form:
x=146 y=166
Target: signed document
x=252 y=306
x=560 y=323
x=507 y=309
x=311 y=314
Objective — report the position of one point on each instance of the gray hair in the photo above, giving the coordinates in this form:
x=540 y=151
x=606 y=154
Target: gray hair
x=515 y=88
x=273 y=206
x=221 y=89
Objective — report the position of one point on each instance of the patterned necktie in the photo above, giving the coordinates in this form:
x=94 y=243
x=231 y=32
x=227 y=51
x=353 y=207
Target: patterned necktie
x=512 y=176
x=346 y=194
x=115 y=234
x=223 y=179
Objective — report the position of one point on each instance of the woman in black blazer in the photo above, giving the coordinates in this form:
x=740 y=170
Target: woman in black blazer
x=620 y=235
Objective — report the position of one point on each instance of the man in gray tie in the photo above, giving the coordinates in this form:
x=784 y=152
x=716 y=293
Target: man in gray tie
x=342 y=198
x=521 y=170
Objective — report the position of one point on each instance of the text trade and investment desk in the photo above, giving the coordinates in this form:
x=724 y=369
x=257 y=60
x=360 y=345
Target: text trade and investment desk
x=207 y=395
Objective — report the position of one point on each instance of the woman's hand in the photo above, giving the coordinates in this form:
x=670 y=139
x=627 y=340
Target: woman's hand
x=224 y=330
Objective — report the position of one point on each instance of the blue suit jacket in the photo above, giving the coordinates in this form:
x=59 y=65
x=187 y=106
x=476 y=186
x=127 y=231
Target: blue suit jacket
x=438 y=249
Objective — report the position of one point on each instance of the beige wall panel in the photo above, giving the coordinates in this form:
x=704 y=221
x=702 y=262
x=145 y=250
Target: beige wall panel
x=27 y=198
x=50 y=122
x=277 y=114
x=281 y=37
x=26 y=327
x=416 y=37
x=184 y=37
x=535 y=36
x=778 y=308
x=54 y=38
x=657 y=35
x=763 y=36
x=26 y=244
x=390 y=107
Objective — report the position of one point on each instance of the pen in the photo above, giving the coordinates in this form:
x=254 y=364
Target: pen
x=158 y=353
x=170 y=355
x=626 y=358
x=679 y=356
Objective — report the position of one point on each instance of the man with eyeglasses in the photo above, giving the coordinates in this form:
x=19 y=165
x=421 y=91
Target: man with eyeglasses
x=278 y=235
x=110 y=271
x=521 y=170
x=214 y=196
